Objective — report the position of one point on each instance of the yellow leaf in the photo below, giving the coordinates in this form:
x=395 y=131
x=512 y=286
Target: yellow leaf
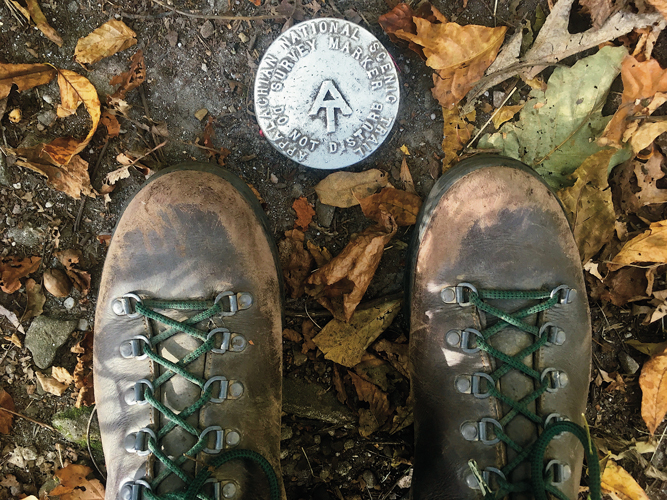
x=41 y=23
x=50 y=384
x=403 y=206
x=72 y=179
x=406 y=177
x=653 y=382
x=650 y=246
x=459 y=54
x=504 y=114
x=25 y=76
x=455 y=134
x=646 y=134
x=616 y=479
x=589 y=204
x=62 y=375
x=73 y=484
x=345 y=189
x=660 y=6
x=405 y=150
x=113 y=36
x=69 y=98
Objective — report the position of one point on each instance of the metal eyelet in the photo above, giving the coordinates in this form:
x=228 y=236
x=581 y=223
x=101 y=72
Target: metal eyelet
x=133 y=348
x=221 y=490
x=123 y=306
x=219 y=439
x=138 y=393
x=465 y=336
x=132 y=489
x=141 y=441
x=561 y=471
x=555 y=335
x=473 y=483
x=477 y=431
x=229 y=389
x=554 y=418
x=237 y=302
x=456 y=294
x=566 y=295
x=475 y=379
x=226 y=336
x=558 y=379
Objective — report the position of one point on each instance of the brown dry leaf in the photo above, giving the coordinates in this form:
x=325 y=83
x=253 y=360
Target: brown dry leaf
x=42 y=24
x=111 y=124
x=615 y=479
x=644 y=136
x=636 y=184
x=25 y=76
x=650 y=246
x=292 y=335
x=340 y=285
x=304 y=213
x=12 y=269
x=36 y=299
x=601 y=10
x=397 y=354
x=321 y=254
x=308 y=332
x=455 y=135
x=378 y=401
x=80 y=279
x=648 y=348
x=406 y=178
x=62 y=375
x=403 y=206
x=401 y=18
x=72 y=179
x=74 y=485
x=619 y=287
x=130 y=79
x=346 y=343
x=83 y=371
x=459 y=54
x=641 y=82
x=341 y=393
x=660 y=6
x=345 y=189
x=377 y=371
x=6 y=419
x=505 y=114
x=589 y=204
x=653 y=382
x=113 y=36
x=295 y=261
x=50 y=384
x=70 y=99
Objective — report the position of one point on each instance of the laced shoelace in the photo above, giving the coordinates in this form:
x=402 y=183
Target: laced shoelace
x=148 y=308
x=539 y=485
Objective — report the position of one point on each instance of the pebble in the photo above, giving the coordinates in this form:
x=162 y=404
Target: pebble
x=432 y=116
x=406 y=481
x=69 y=303
x=207 y=29
x=325 y=214
x=273 y=178
x=45 y=336
x=348 y=445
x=48 y=204
x=72 y=7
x=83 y=325
x=317 y=439
x=628 y=363
x=286 y=433
x=369 y=478
x=47 y=117
x=498 y=98
x=344 y=468
x=296 y=191
x=300 y=359
x=27 y=236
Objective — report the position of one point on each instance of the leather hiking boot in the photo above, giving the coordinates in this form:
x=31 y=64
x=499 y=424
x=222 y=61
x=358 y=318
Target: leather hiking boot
x=500 y=339
x=188 y=343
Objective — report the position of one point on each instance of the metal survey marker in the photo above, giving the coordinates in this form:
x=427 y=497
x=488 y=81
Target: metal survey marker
x=326 y=93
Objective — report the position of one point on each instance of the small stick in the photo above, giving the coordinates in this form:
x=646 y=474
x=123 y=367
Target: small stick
x=46 y=426
x=92 y=175
x=222 y=18
x=90 y=450
x=491 y=118
x=309 y=466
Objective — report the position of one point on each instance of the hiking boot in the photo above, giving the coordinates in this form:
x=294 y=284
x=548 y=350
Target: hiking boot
x=500 y=338
x=188 y=342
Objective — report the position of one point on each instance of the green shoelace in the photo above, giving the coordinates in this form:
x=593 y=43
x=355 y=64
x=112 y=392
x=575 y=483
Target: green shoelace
x=539 y=485
x=148 y=308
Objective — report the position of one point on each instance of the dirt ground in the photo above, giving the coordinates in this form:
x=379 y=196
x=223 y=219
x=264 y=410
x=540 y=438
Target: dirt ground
x=190 y=67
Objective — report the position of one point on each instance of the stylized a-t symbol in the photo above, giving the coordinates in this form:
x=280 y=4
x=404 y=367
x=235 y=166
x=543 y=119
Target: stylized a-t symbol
x=335 y=101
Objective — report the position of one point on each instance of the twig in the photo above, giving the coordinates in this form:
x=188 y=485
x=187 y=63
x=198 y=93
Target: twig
x=222 y=18
x=315 y=314
x=305 y=307
x=146 y=16
x=136 y=160
x=309 y=466
x=142 y=93
x=90 y=451
x=46 y=426
x=490 y=119
x=92 y=176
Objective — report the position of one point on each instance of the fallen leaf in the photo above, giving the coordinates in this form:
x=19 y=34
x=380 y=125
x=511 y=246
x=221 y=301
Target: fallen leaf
x=200 y=114
x=377 y=400
x=80 y=279
x=14 y=339
x=36 y=299
x=130 y=79
x=397 y=354
x=406 y=178
x=653 y=382
x=321 y=254
x=50 y=384
x=553 y=138
x=619 y=287
x=554 y=43
x=340 y=285
x=12 y=318
x=647 y=348
x=377 y=371
x=295 y=261
x=72 y=179
x=6 y=419
x=635 y=184
x=600 y=10
x=25 y=76
x=401 y=18
x=12 y=269
x=111 y=124
x=42 y=24
x=403 y=206
x=455 y=135
x=62 y=375
x=113 y=36
x=504 y=114
x=292 y=335
x=644 y=136
x=589 y=204
x=615 y=479
x=83 y=371
x=404 y=149
x=120 y=173
x=650 y=246
x=346 y=342
x=341 y=393
x=459 y=54
x=308 y=332
x=660 y=6
x=345 y=189
x=304 y=213
x=73 y=484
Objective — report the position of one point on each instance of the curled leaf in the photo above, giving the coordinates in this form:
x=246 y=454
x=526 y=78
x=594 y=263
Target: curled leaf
x=70 y=259
x=12 y=269
x=616 y=479
x=304 y=213
x=345 y=189
x=650 y=246
x=6 y=418
x=42 y=24
x=653 y=382
x=403 y=206
x=130 y=79
x=295 y=261
x=24 y=76
x=72 y=179
x=505 y=113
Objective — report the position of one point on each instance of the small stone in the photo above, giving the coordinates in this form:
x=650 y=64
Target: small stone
x=325 y=474
x=317 y=439
x=273 y=178
x=406 y=481
x=325 y=214
x=48 y=204
x=47 y=117
x=296 y=191
x=369 y=478
x=206 y=29
x=48 y=98
x=344 y=468
x=83 y=325
x=69 y=303
x=243 y=37
x=432 y=116
x=172 y=38
x=204 y=67
x=348 y=445
x=5 y=179
x=628 y=363
x=498 y=98
x=286 y=433
x=300 y=359
x=73 y=424
x=45 y=336
x=15 y=115
x=27 y=236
